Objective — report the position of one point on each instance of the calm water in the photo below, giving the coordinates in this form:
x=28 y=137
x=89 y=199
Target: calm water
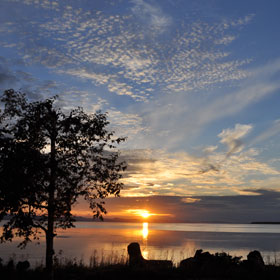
x=108 y=241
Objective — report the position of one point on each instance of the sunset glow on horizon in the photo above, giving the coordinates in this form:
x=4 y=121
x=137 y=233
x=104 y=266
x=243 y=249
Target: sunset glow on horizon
x=145 y=214
x=140 y=213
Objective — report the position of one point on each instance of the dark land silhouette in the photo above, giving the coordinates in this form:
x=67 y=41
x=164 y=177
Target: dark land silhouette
x=202 y=265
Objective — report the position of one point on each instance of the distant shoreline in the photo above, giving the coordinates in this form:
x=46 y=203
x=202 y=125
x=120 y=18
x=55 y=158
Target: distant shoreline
x=117 y=220
x=123 y=220
x=265 y=223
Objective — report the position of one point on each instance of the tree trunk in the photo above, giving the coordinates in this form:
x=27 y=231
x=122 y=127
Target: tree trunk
x=50 y=234
x=49 y=253
x=51 y=202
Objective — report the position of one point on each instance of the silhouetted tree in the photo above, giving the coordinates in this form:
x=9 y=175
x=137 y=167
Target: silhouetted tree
x=47 y=160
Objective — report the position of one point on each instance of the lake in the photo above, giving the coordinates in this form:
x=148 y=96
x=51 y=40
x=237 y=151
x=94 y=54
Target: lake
x=107 y=242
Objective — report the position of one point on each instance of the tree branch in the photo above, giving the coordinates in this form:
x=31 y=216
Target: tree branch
x=40 y=226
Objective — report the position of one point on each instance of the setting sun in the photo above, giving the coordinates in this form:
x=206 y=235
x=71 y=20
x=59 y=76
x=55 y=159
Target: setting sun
x=145 y=214
x=140 y=212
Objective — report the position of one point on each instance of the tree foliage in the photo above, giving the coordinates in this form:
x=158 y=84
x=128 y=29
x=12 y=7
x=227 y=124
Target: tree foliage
x=48 y=159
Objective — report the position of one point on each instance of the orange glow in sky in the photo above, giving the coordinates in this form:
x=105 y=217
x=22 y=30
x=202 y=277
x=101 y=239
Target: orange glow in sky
x=145 y=214
x=141 y=212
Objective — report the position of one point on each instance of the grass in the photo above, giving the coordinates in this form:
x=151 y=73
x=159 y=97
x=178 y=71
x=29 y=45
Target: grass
x=97 y=259
x=103 y=266
x=272 y=259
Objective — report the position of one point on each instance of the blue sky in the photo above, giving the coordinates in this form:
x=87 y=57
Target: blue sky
x=194 y=85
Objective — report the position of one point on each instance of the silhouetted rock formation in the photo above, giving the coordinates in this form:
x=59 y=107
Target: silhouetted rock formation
x=136 y=258
x=255 y=258
x=221 y=264
x=204 y=263
x=254 y=262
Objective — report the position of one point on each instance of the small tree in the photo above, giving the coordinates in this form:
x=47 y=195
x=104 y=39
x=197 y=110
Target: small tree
x=47 y=160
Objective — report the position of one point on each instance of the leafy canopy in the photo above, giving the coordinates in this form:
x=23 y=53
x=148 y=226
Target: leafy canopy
x=48 y=159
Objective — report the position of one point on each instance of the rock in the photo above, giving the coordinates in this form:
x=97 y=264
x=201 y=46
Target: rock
x=136 y=258
x=189 y=264
x=135 y=255
x=199 y=259
x=204 y=264
x=255 y=260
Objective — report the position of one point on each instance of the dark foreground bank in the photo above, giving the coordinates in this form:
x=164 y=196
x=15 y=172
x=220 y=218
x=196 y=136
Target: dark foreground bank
x=224 y=267
x=126 y=272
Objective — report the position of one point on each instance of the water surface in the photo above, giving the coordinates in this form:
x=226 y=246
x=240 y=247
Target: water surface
x=108 y=241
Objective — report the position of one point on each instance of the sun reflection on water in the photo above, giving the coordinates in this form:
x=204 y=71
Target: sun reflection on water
x=145 y=231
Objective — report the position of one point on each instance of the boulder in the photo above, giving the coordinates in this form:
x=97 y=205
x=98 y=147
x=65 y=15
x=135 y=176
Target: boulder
x=136 y=258
x=200 y=259
x=204 y=264
x=135 y=255
x=254 y=261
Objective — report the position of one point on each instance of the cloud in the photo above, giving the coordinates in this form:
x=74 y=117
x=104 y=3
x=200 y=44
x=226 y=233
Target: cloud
x=260 y=205
x=243 y=21
x=126 y=124
x=36 y=90
x=232 y=137
x=13 y=75
x=45 y=4
x=157 y=172
x=225 y=40
x=151 y=15
x=210 y=149
x=271 y=131
x=114 y=50
x=208 y=166
x=7 y=78
x=190 y=199
x=184 y=116
x=234 y=102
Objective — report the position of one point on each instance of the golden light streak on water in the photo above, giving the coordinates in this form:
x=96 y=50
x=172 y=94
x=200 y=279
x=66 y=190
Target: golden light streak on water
x=145 y=254
x=145 y=231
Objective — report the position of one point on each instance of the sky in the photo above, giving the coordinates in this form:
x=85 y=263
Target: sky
x=193 y=85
